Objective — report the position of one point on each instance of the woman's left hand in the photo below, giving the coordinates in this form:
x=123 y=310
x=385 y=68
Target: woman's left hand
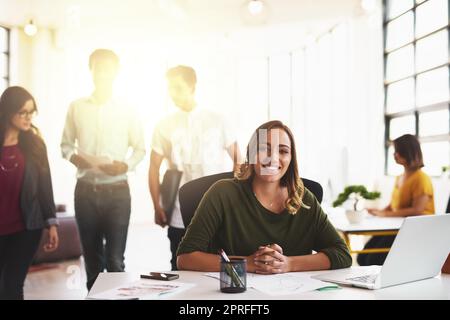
x=270 y=261
x=53 y=240
x=378 y=213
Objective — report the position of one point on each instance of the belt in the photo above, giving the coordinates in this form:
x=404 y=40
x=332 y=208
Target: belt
x=104 y=186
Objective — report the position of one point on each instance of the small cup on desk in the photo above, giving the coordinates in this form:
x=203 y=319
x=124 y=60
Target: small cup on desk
x=233 y=275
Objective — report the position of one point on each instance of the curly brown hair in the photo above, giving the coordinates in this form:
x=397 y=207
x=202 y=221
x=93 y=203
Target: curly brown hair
x=291 y=178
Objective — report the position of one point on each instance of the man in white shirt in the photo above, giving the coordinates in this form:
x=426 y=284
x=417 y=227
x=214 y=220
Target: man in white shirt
x=98 y=132
x=194 y=141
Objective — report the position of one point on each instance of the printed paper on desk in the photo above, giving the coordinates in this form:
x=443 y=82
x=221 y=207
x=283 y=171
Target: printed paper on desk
x=280 y=284
x=143 y=289
x=286 y=283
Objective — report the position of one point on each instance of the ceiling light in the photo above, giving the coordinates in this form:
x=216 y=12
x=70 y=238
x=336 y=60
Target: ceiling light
x=30 y=28
x=255 y=7
x=255 y=12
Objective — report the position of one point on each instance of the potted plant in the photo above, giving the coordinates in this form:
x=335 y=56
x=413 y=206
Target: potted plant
x=355 y=193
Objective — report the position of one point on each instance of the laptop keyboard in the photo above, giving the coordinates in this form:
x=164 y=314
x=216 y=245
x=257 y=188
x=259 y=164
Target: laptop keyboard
x=370 y=278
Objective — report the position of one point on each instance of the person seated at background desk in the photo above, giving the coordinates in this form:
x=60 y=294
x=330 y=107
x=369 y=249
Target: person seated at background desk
x=412 y=195
x=266 y=203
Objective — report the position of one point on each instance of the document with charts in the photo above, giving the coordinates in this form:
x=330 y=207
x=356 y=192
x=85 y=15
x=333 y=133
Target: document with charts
x=281 y=284
x=143 y=289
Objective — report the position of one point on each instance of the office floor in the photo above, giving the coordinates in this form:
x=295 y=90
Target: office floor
x=147 y=250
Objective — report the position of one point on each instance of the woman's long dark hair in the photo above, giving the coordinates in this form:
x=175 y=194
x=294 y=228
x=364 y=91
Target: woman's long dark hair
x=30 y=142
x=408 y=147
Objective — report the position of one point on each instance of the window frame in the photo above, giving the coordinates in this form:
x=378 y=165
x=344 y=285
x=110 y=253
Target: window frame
x=7 y=78
x=416 y=110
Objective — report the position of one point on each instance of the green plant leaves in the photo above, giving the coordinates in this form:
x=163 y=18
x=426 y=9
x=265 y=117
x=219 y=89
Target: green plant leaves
x=357 y=189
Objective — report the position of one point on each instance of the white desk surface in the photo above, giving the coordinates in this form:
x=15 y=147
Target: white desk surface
x=207 y=288
x=369 y=223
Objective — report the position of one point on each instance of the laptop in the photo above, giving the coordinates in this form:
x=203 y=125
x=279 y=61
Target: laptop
x=418 y=252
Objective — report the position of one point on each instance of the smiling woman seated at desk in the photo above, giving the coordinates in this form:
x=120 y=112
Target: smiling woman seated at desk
x=412 y=195
x=265 y=204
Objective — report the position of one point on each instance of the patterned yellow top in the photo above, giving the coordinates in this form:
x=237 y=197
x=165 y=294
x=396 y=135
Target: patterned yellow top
x=416 y=185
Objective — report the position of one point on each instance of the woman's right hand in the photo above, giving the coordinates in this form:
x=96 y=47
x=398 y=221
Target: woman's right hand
x=263 y=256
x=272 y=246
x=160 y=217
x=376 y=212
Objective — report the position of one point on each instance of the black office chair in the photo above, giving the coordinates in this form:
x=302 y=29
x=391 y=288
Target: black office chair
x=314 y=187
x=192 y=192
x=448 y=206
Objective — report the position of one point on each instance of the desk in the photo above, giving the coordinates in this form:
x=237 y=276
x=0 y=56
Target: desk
x=207 y=288
x=370 y=226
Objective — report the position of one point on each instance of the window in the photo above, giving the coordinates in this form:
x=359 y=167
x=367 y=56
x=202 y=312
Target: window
x=4 y=58
x=298 y=87
x=417 y=95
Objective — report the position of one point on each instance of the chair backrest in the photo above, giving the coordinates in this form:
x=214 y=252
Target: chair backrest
x=446 y=266
x=192 y=192
x=448 y=206
x=315 y=188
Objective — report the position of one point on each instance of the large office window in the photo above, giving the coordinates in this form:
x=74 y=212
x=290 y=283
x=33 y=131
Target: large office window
x=299 y=87
x=416 y=63
x=4 y=58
